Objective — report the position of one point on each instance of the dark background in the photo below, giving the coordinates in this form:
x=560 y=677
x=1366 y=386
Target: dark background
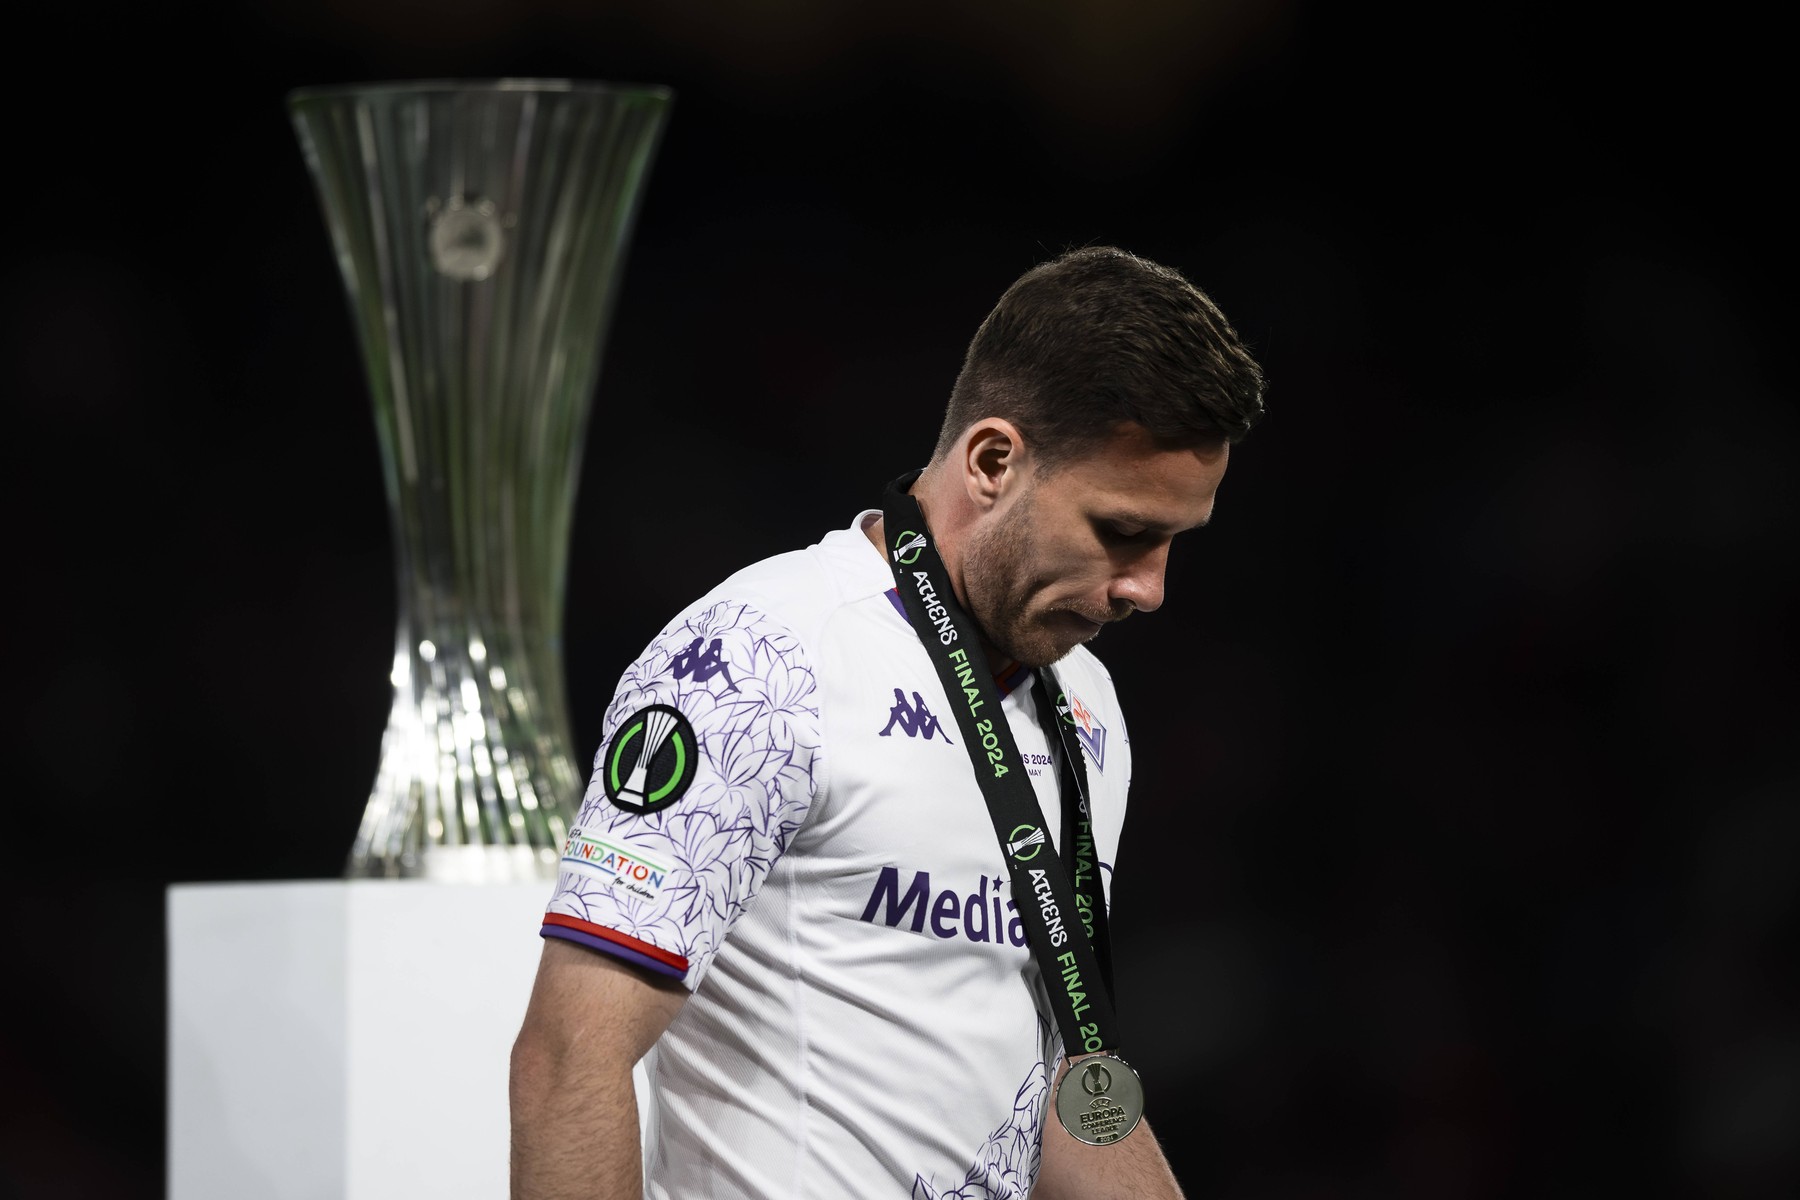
x=1465 y=822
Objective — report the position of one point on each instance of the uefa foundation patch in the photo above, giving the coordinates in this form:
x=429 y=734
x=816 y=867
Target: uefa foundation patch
x=651 y=760
x=626 y=869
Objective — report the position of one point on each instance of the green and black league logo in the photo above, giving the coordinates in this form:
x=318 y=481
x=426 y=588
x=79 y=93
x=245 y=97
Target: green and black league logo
x=651 y=760
x=907 y=548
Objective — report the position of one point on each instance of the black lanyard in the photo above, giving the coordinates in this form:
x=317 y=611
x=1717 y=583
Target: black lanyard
x=1065 y=926
x=1080 y=852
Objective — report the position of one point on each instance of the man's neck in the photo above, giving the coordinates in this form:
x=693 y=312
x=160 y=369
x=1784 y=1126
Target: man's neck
x=876 y=532
x=922 y=491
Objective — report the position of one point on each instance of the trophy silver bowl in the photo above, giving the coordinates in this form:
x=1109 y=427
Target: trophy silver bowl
x=481 y=230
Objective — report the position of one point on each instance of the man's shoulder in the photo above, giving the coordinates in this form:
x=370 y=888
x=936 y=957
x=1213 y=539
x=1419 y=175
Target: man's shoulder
x=803 y=589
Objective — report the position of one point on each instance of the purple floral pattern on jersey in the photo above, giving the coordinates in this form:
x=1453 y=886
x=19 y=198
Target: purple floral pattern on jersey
x=758 y=728
x=1006 y=1167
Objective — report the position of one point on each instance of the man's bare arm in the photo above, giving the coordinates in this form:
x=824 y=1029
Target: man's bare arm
x=1132 y=1169
x=574 y=1111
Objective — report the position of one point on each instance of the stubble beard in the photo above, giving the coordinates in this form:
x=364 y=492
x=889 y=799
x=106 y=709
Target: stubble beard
x=997 y=581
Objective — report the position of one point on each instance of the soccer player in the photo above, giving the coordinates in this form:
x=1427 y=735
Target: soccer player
x=840 y=876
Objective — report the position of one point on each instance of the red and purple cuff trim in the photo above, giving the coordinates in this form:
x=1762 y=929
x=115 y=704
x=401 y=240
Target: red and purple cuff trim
x=611 y=941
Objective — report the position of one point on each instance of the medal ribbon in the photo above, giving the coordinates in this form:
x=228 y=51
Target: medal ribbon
x=1080 y=853
x=1070 y=949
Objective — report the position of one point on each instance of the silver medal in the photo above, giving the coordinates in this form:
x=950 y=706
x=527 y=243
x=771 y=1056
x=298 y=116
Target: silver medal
x=1100 y=1100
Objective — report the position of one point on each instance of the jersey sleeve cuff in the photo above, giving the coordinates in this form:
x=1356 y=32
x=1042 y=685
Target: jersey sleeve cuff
x=610 y=941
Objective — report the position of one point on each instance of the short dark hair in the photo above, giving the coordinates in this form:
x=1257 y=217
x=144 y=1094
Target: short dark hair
x=1098 y=336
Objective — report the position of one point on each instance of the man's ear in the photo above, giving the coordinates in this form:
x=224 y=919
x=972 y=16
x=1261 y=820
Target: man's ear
x=993 y=461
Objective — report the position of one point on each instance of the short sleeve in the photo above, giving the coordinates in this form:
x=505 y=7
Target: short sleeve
x=707 y=766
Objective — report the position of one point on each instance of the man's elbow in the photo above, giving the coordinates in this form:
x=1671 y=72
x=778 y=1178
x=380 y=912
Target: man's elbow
x=532 y=1073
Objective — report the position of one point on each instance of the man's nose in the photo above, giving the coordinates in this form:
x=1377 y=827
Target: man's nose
x=1139 y=581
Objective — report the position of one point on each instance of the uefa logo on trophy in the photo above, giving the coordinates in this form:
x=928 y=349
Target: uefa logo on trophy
x=481 y=230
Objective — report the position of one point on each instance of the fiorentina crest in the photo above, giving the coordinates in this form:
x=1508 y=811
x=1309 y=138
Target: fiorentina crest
x=1091 y=733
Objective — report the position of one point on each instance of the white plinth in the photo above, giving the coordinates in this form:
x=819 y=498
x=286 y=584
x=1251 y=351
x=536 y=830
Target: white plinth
x=345 y=1040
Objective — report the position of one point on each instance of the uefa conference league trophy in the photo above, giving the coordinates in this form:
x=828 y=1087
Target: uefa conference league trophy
x=481 y=229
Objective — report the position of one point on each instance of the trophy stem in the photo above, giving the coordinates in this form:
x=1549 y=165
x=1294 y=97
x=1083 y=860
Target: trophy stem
x=481 y=230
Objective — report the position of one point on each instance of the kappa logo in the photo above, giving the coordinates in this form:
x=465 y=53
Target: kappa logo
x=703 y=665
x=907 y=548
x=651 y=760
x=915 y=720
x=1089 y=732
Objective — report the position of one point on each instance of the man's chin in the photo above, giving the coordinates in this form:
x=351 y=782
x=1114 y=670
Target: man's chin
x=1036 y=656
x=1051 y=641
x=1073 y=627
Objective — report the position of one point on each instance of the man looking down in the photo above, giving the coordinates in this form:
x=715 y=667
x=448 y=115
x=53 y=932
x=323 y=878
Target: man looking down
x=846 y=885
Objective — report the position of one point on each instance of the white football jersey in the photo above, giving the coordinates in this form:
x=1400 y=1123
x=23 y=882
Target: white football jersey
x=782 y=814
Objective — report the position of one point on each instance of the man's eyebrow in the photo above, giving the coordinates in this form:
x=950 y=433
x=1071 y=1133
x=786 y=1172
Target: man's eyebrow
x=1130 y=517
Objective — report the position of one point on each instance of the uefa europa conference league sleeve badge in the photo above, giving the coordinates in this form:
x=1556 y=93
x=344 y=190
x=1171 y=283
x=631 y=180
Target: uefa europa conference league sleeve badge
x=650 y=761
